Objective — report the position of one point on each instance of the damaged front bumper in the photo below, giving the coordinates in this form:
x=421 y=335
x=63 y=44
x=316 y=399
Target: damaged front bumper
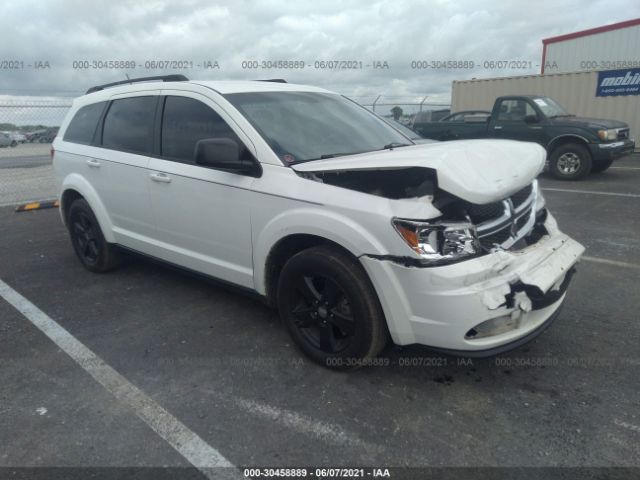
x=481 y=306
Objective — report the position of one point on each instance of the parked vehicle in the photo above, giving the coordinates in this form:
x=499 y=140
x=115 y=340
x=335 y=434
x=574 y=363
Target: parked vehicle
x=428 y=116
x=48 y=135
x=17 y=137
x=6 y=140
x=407 y=132
x=34 y=136
x=300 y=195
x=576 y=146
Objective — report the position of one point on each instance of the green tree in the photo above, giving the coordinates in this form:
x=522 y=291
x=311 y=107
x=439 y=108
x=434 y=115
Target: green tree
x=397 y=113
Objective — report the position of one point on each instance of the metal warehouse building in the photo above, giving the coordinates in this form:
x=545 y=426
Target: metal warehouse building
x=593 y=73
x=604 y=48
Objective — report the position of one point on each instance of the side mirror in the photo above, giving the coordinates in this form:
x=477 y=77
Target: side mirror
x=224 y=154
x=531 y=119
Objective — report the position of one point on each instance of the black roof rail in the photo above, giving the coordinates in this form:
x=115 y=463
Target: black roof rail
x=164 y=78
x=276 y=80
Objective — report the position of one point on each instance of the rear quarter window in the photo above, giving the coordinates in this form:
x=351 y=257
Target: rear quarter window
x=83 y=125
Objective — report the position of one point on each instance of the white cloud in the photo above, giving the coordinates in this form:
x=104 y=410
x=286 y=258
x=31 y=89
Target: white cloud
x=232 y=31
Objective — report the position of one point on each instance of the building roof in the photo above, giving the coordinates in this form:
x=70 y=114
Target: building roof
x=592 y=31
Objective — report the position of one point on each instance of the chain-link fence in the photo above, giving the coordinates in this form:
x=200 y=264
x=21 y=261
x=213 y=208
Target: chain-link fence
x=405 y=109
x=28 y=125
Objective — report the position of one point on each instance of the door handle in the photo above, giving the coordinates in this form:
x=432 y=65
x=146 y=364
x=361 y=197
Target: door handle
x=497 y=127
x=160 y=177
x=92 y=162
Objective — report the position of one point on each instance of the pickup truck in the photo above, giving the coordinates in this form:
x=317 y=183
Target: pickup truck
x=575 y=146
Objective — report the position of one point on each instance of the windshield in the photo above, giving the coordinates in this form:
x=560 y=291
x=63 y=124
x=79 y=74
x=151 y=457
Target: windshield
x=550 y=107
x=406 y=131
x=303 y=126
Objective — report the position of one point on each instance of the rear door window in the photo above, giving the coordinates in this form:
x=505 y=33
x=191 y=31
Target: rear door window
x=128 y=125
x=83 y=126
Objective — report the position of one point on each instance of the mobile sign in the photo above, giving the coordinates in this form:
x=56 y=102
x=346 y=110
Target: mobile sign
x=618 y=82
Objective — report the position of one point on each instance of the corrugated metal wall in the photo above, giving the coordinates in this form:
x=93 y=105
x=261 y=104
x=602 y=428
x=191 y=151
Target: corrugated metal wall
x=575 y=91
x=594 y=52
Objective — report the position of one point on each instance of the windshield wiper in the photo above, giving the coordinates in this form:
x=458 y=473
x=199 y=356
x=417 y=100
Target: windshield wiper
x=325 y=156
x=563 y=115
x=392 y=145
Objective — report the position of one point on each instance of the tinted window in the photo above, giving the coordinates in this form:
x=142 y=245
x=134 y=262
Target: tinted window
x=184 y=122
x=84 y=123
x=129 y=124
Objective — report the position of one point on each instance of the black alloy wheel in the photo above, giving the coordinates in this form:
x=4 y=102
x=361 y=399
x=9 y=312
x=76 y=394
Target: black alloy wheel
x=94 y=252
x=330 y=308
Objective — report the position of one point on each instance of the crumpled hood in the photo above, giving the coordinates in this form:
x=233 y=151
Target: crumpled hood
x=479 y=171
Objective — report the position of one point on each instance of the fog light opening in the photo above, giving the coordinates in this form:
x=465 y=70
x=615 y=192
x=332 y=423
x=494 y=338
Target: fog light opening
x=495 y=326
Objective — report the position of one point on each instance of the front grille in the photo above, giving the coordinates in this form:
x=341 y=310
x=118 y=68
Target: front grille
x=521 y=196
x=504 y=223
x=623 y=133
x=521 y=222
x=482 y=213
x=497 y=238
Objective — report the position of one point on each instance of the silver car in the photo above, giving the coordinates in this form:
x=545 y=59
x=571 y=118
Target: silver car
x=6 y=140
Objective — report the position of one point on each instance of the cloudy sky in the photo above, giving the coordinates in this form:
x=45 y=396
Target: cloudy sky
x=396 y=32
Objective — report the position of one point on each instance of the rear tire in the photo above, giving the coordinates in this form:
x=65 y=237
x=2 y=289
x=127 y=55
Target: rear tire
x=570 y=162
x=94 y=252
x=331 y=309
x=601 y=166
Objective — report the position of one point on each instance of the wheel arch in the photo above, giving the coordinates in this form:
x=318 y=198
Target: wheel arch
x=293 y=231
x=75 y=186
x=283 y=250
x=566 y=139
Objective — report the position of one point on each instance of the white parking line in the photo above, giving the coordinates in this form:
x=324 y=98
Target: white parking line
x=199 y=453
x=324 y=431
x=605 y=261
x=624 y=168
x=592 y=192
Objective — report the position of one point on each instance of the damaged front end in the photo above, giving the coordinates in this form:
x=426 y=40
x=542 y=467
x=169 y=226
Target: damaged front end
x=487 y=269
x=482 y=306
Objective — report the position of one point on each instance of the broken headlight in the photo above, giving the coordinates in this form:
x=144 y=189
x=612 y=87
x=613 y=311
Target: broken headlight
x=439 y=243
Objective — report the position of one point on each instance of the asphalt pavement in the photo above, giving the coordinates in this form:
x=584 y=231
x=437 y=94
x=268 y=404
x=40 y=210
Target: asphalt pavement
x=222 y=365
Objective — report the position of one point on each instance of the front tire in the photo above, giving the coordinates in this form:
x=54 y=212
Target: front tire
x=570 y=162
x=94 y=252
x=330 y=308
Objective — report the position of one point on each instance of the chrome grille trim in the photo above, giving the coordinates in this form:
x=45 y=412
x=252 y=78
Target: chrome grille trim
x=622 y=133
x=510 y=219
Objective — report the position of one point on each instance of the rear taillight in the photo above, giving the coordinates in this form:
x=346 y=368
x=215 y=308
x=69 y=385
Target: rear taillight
x=52 y=152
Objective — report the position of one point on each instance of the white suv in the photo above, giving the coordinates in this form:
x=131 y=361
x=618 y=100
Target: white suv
x=354 y=232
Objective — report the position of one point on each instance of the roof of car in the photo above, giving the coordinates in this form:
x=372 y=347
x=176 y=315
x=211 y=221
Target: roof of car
x=242 y=86
x=221 y=86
